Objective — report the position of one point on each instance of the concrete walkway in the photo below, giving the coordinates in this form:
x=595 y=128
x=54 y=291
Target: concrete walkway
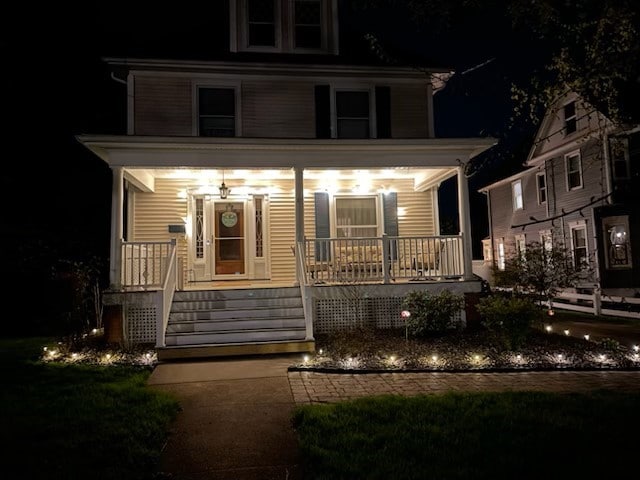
x=235 y=420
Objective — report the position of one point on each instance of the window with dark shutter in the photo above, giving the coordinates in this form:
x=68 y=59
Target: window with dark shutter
x=323 y=111
x=352 y=114
x=383 y=112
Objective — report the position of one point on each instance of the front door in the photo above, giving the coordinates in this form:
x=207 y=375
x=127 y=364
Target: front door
x=229 y=238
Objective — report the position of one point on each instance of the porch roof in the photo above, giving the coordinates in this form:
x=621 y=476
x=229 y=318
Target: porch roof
x=198 y=152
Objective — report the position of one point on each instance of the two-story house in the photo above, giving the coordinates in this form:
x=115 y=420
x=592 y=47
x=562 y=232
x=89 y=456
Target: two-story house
x=578 y=188
x=257 y=198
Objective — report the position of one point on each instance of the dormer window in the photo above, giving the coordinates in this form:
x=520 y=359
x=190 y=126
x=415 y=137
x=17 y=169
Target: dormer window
x=308 y=24
x=261 y=21
x=570 y=118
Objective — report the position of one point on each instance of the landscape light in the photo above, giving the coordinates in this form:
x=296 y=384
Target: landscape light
x=548 y=328
x=392 y=358
x=320 y=351
x=566 y=332
x=434 y=358
x=636 y=348
x=586 y=337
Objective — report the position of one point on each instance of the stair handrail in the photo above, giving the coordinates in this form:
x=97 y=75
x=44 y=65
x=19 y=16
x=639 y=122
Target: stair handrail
x=165 y=296
x=302 y=281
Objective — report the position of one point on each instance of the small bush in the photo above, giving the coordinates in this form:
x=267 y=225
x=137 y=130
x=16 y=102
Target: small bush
x=510 y=319
x=609 y=344
x=431 y=313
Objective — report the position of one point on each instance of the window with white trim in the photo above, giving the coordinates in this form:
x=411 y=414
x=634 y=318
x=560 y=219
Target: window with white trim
x=570 y=118
x=573 y=166
x=307 y=19
x=579 y=246
x=352 y=113
x=516 y=194
x=261 y=23
x=501 y=255
x=619 y=155
x=356 y=216
x=521 y=245
x=541 y=184
x=216 y=112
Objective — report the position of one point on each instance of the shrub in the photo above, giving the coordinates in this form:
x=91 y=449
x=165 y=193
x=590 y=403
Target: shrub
x=609 y=344
x=431 y=313
x=510 y=318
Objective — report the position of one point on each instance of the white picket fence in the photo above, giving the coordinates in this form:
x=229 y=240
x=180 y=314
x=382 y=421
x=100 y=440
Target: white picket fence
x=598 y=304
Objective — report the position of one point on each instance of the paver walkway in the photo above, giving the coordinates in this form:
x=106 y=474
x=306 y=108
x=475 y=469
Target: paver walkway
x=313 y=387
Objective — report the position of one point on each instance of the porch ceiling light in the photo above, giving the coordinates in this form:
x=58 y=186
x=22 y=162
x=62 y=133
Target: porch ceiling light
x=224 y=190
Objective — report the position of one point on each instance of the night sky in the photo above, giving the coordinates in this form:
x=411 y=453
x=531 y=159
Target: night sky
x=57 y=194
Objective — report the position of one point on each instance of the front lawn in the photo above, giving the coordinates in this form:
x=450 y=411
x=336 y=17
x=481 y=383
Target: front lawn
x=472 y=436
x=76 y=421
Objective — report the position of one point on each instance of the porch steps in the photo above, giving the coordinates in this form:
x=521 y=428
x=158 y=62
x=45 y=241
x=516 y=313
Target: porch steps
x=209 y=323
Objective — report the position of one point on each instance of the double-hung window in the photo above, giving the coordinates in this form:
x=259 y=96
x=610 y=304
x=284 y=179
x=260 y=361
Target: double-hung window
x=541 y=184
x=261 y=25
x=573 y=165
x=516 y=192
x=356 y=216
x=353 y=114
x=501 y=254
x=570 y=118
x=307 y=24
x=579 y=245
x=216 y=112
x=619 y=154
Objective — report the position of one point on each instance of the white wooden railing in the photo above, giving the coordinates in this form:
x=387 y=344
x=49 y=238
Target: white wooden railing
x=165 y=296
x=597 y=304
x=144 y=264
x=382 y=259
x=306 y=300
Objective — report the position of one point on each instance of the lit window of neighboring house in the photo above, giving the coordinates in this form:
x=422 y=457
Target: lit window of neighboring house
x=356 y=216
x=216 y=112
x=546 y=239
x=521 y=245
x=617 y=241
x=579 y=245
x=501 y=256
x=541 y=183
x=352 y=114
x=261 y=15
x=573 y=165
x=308 y=24
x=570 y=118
x=516 y=191
x=619 y=155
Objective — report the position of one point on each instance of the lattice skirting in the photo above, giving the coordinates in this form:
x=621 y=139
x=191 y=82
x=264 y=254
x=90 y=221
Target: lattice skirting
x=141 y=324
x=377 y=312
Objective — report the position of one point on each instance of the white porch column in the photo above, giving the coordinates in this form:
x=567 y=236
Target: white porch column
x=117 y=203
x=464 y=220
x=299 y=193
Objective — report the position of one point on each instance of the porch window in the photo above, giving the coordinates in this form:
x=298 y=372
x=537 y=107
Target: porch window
x=618 y=245
x=619 y=154
x=261 y=23
x=217 y=112
x=352 y=114
x=356 y=217
x=308 y=21
x=574 y=170
x=579 y=245
x=516 y=191
x=570 y=118
x=541 y=183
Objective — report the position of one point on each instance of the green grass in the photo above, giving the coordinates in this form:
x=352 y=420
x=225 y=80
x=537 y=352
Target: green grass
x=77 y=421
x=472 y=436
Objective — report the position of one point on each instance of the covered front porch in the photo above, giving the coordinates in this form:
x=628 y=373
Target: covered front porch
x=321 y=216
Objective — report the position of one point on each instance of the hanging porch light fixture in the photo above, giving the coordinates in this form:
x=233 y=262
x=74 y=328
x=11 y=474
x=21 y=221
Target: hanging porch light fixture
x=224 y=190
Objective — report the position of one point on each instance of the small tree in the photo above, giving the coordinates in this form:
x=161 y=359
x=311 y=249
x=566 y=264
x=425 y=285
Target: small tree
x=542 y=271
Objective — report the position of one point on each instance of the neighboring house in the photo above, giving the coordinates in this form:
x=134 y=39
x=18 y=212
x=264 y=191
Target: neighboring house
x=278 y=193
x=580 y=188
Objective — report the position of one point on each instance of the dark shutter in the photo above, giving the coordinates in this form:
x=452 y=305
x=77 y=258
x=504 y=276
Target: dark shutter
x=323 y=229
x=383 y=112
x=390 y=216
x=323 y=111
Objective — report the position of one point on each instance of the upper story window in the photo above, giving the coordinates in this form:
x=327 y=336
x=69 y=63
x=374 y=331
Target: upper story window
x=573 y=165
x=570 y=118
x=516 y=192
x=541 y=184
x=619 y=154
x=261 y=23
x=352 y=114
x=216 y=112
x=307 y=24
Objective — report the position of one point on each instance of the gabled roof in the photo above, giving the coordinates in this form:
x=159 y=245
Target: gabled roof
x=509 y=179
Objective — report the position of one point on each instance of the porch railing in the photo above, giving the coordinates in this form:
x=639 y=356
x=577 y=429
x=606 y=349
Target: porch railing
x=306 y=301
x=383 y=259
x=165 y=296
x=145 y=264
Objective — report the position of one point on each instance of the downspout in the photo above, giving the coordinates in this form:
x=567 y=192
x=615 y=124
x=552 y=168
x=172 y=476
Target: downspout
x=607 y=169
x=493 y=252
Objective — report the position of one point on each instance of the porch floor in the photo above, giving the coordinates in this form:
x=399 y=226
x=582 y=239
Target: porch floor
x=235 y=284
